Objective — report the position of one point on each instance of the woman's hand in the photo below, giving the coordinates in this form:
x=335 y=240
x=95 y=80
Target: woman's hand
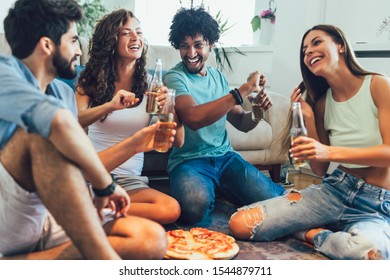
x=296 y=96
x=161 y=97
x=123 y=99
x=305 y=148
x=143 y=140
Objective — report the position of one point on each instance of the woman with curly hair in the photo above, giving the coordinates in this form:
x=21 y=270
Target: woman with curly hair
x=346 y=112
x=111 y=103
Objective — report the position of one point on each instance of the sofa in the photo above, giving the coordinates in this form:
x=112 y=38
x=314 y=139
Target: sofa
x=261 y=146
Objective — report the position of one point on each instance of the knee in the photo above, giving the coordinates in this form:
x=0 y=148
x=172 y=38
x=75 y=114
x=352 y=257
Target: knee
x=158 y=241
x=195 y=212
x=243 y=223
x=154 y=241
x=170 y=212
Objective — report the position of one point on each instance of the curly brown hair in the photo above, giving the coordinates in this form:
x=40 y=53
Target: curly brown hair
x=98 y=78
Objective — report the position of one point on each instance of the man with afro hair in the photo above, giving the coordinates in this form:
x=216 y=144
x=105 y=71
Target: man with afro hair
x=207 y=163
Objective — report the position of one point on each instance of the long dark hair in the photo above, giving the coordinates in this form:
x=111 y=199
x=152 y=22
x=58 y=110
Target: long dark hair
x=98 y=78
x=316 y=86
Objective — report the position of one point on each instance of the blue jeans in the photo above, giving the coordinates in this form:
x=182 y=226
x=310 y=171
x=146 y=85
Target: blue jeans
x=356 y=215
x=195 y=181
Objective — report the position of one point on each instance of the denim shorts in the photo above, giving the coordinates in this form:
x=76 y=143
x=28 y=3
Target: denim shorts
x=357 y=215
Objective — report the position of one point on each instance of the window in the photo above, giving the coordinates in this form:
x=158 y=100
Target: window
x=156 y=17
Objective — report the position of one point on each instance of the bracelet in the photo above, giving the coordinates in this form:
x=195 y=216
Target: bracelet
x=109 y=190
x=237 y=96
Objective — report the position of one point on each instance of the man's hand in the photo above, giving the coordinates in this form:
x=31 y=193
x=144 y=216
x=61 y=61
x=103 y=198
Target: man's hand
x=255 y=83
x=119 y=202
x=262 y=99
x=161 y=97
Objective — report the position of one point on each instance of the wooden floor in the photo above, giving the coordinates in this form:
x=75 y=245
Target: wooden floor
x=302 y=181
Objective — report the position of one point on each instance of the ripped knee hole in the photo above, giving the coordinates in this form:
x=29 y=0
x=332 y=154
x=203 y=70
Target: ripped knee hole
x=294 y=196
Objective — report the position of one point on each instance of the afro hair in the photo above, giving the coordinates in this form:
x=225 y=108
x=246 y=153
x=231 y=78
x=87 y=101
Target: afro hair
x=191 y=22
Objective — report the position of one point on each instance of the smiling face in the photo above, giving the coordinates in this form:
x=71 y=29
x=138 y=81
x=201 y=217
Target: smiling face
x=66 y=54
x=194 y=52
x=130 y=40
x=321 y=54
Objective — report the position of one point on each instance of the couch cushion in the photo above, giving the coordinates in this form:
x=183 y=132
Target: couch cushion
x=257 y=139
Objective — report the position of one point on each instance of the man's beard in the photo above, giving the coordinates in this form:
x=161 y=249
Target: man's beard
x=64 y=67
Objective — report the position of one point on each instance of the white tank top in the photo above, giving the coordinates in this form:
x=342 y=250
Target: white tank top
x=118 y=126
x=353 y=123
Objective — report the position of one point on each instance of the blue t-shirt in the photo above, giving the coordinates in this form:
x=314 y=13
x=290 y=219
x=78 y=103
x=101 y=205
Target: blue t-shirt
x=211 y=140
x=23 y=104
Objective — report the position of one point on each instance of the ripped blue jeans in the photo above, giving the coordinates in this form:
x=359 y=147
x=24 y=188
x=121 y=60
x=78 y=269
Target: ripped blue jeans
x=356 y=215
x=195 y=181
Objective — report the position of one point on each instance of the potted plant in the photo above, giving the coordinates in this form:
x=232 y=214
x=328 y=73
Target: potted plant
x=93 y=11
x=221 y=53
x=265 y=14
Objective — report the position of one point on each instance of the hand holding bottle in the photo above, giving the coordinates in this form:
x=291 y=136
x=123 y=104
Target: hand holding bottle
x=166 y=118
x=297 y=129
x=154 y=88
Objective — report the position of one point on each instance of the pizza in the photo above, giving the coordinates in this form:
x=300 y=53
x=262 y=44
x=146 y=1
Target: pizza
x=200 y=244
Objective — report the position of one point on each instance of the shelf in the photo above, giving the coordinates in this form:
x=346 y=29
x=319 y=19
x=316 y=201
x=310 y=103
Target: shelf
x=363 y=49
x=251 y=49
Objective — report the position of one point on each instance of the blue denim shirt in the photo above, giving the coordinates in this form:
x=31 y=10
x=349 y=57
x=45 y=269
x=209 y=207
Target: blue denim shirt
x=23 y=104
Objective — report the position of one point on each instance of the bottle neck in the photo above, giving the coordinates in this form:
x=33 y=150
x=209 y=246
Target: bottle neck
x=297 y=118
x=157 y=77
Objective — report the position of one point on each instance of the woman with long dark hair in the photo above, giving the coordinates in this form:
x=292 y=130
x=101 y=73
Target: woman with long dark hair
x=346 y=112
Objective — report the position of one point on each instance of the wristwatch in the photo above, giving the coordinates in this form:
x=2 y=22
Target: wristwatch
x=109 y=190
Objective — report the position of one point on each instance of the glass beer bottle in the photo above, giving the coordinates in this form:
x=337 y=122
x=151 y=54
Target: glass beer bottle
x=166 y=118
x=154 y=85
x=297 y=129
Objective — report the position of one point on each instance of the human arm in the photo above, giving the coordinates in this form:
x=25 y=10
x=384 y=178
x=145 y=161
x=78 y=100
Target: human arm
x=314 y=123
x=87 y=116
x=141 y=141
x=376 y=156
x=196 y=116
x=72 y=142
x=242 y=120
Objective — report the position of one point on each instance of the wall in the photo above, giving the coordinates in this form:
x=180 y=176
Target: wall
x=359 y=19
x=4 y=7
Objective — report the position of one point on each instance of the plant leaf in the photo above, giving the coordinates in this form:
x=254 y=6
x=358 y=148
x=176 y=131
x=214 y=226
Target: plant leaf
x=256 y=23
